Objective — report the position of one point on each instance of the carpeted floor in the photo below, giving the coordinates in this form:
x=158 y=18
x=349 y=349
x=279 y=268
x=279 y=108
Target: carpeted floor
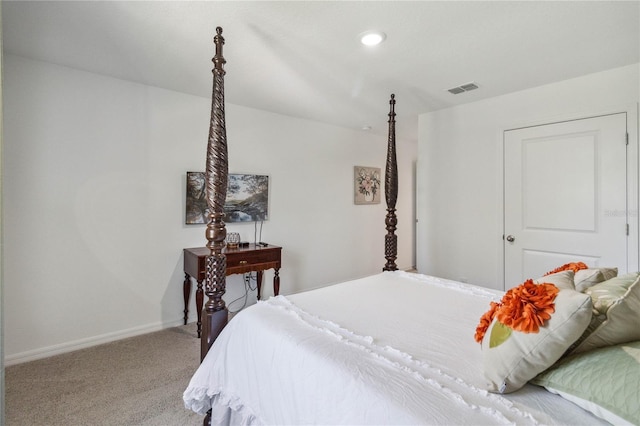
x=135 y=381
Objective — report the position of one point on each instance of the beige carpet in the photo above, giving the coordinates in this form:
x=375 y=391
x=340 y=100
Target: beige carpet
x=135 y=381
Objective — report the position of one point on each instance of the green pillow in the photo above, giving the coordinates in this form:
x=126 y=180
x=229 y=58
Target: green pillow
x=603 y=381
x=616 y=313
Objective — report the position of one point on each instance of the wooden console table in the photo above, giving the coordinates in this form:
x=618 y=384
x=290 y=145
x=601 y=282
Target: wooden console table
x=240 y=260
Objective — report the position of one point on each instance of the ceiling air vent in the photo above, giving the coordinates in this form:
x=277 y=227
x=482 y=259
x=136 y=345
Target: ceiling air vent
x=463 y=88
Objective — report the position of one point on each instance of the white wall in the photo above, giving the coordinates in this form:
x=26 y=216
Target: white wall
x=459 y=173
x=94 y=178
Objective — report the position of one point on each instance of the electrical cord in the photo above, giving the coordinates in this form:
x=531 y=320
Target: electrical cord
x=247 y=278
x=255 y=232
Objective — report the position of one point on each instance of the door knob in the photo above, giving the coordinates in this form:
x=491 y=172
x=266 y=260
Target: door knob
x=511 y=238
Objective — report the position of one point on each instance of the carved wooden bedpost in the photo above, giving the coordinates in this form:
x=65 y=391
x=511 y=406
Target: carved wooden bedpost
x=214 y=313
x=391 y=192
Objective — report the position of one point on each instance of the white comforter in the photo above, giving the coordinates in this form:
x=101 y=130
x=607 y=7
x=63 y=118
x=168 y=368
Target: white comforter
x=394 y=348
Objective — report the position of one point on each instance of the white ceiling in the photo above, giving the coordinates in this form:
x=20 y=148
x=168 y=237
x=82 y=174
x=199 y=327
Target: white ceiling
x=303 y=58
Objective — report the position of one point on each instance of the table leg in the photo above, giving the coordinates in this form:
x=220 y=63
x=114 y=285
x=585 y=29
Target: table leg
x=259 y=282
x=186 y=288
x=276 y=282
x=199 y=302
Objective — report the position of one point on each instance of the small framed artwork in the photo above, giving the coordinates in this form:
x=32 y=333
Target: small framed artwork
x=366 y=182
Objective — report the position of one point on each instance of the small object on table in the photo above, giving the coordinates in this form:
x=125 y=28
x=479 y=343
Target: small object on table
x=233 y=240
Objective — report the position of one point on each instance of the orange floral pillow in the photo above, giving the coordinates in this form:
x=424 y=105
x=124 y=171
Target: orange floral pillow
x=529 y=330
x=573 y=266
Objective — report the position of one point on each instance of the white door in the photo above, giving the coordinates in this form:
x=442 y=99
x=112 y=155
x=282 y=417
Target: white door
x=565 y=196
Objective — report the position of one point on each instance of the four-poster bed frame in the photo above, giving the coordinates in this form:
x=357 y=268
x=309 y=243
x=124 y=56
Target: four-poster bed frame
x=333 y=356
x=214 y=314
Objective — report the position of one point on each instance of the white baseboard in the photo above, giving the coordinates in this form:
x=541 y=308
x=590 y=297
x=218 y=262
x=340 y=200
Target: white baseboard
x=61 y=348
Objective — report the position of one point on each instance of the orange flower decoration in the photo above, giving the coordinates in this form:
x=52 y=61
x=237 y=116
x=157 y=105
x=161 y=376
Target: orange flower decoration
x=485 y=322
x=573 y=266
x=524 y=308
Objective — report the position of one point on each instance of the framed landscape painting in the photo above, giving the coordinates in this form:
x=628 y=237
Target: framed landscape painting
x=247 y=198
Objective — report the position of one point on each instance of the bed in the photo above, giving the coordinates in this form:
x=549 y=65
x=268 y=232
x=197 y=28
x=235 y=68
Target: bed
x=399 y=347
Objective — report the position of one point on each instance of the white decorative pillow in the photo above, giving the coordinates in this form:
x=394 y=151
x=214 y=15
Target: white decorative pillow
x=511 y=361
x=562 y=280
x=586 y=278
x=616 y=313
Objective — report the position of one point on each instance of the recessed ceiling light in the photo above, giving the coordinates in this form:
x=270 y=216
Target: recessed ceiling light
x=372 y=38
x=366 y=128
